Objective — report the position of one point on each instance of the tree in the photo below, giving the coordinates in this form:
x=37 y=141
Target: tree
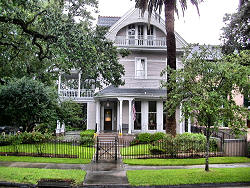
x=170 y=7
x=70 y=113
x=40 y=38
x=26 y=102
x=235 y=34
x=205 y=88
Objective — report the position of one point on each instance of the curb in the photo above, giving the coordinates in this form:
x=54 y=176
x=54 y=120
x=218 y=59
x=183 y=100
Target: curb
x=21 y=185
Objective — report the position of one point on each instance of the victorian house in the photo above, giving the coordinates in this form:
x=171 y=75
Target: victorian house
x=136 y=106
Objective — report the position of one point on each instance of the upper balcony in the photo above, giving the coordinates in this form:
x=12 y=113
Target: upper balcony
x=77 y=94
x=71 y=86
x=144 y=41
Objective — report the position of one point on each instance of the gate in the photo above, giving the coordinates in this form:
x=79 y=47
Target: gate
x=106 y=147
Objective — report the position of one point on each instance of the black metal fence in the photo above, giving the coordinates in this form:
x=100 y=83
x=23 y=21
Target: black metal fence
x=57 y=148
x=170 y=149
x=231 y=145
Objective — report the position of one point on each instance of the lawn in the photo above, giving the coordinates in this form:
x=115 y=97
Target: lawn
x=33 y=175
x=52 y=148
x=188 y=176
x=180 y=162
x=141 y=149
x=44 y=160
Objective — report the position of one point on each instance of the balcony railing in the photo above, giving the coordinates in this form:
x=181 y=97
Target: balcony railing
x=74 y=93
x=143 y=42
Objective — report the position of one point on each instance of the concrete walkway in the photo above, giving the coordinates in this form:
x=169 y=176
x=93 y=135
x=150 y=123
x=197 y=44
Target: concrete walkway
x=111 y=166
x=106 y=173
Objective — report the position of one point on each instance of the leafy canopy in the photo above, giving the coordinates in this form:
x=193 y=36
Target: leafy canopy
x=235 y=36
x=26 y=102
x=40 y=38
x=206 y=85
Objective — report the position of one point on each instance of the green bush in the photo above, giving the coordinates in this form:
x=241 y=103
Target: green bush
x=182 y=143
x=144 y=138
x=5 y=140
x=88 y=132
x=87 y=137
x=87 y=141
x=157 y=136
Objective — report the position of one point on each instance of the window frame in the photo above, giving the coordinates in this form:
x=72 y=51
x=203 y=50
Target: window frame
x=153 y=113
x=146 y=69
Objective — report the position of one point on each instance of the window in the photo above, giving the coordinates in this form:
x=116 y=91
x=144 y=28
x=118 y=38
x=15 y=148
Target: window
x=152 y=115
x=140 y=68
x=131 y=34
x=137 y=115
x=150 y=33
x=164 y=116
x=140 y=34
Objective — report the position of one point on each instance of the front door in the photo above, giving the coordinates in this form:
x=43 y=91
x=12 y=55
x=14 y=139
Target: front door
x=108 y=119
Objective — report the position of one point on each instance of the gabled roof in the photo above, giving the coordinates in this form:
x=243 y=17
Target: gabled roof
x=132 y=16
x=107 y=21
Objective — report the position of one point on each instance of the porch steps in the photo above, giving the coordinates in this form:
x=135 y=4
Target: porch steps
x=107 y=137
x=72 y=135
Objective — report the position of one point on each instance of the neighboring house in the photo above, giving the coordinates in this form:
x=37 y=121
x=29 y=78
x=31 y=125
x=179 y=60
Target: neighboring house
x=136 y=106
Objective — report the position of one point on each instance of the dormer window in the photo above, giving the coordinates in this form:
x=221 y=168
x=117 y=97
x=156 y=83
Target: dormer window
x=140 y=68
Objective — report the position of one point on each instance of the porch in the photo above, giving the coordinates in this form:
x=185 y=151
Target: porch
x=141 y=41
x=71 y=86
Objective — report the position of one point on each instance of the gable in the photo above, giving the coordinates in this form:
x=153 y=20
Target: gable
x=133 y=16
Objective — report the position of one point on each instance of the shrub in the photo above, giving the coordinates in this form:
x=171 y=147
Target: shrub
x=5 y=140
x=87 y=137
x=182 y=143
x=157 y=136
x=87 y=141
x=89 y=132
x=144 y=138
x=35 y=137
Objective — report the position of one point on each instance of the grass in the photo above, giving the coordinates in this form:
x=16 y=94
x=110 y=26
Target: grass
x=44 y=160
x=33 y=175
x=141 y=149
x=188 y=176
x=52 y=148
x=180 y=162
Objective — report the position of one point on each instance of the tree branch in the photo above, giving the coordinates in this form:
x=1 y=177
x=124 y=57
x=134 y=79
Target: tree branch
x=33 y=19
x=24 y=27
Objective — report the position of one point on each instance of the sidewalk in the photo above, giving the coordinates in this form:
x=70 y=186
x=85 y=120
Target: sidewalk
x=113 y=173
x=112 y=166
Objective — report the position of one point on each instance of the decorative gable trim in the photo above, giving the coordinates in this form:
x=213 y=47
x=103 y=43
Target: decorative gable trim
x=132 y=16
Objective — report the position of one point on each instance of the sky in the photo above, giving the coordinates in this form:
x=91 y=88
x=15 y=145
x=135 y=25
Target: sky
x=203 y=29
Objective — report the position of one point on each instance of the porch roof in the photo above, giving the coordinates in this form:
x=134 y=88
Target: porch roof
x=112 y=91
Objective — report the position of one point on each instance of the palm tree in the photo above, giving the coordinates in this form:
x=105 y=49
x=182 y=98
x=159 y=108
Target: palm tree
x=170 y=6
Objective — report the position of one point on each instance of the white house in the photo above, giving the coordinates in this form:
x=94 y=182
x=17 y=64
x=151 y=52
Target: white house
x=136 y=106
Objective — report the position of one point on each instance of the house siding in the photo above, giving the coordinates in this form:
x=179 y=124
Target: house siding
x=91 y=117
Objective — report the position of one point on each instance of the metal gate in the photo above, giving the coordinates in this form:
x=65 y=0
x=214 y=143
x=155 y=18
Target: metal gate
x=106 y=147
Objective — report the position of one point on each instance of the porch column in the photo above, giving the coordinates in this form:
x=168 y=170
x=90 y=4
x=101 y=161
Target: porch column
x=129 y=116
x=79 y=85
x=97 y=116
x=120 y=115
x=59 y=83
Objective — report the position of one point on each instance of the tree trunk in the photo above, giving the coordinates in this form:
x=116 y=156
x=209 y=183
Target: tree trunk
x=171 y=55
x=207 y=146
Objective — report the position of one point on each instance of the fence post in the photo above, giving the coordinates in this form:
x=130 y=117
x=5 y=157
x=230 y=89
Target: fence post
x=97 y=148
x=116 y=148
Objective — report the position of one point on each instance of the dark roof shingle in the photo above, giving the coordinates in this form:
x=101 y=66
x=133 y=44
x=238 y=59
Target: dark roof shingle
x=107 y=21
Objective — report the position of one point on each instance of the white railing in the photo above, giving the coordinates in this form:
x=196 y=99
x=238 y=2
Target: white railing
x=150 y=41
x=74 y=93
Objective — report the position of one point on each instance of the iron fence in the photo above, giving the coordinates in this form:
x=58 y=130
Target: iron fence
x=170 y=149
x=58 y=148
